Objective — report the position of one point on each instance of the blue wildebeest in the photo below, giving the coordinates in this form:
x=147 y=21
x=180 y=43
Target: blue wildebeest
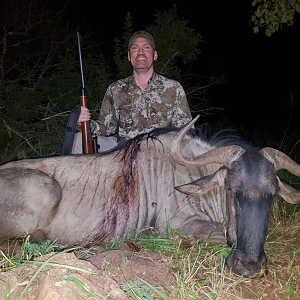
x=217 y=188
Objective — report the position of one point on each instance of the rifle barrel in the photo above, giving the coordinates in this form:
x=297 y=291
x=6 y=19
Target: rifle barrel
x=80 y=60
x=87 y=143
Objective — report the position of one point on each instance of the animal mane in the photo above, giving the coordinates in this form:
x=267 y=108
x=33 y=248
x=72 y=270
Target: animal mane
x=133 y=143
x=219 y=137
x=216 y=138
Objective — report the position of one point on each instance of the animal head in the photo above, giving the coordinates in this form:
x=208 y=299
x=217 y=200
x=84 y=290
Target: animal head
x=249 y=177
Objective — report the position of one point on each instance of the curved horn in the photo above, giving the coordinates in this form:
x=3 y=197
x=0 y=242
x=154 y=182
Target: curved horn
x=280 y=160
x=221 y=155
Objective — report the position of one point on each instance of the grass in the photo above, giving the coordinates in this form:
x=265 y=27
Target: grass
x=199 y=270
x=201 y=273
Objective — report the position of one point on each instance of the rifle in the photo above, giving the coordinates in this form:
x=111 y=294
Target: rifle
x=89 y=144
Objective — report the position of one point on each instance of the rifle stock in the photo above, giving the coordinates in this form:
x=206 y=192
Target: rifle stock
x=87 y=143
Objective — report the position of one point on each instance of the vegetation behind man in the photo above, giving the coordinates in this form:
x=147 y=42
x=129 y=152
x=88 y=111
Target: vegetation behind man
x=39 y=71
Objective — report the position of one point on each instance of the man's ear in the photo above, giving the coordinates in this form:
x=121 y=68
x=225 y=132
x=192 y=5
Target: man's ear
x=128 y=56
x=155 y=55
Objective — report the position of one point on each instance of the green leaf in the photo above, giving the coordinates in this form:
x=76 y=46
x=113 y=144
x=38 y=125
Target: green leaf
x=268 y=32
x=159 y=293
x=256 y=29
x=258 y=13
x=81 y=284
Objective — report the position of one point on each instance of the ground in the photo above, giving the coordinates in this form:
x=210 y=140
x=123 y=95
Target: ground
x=129 y=272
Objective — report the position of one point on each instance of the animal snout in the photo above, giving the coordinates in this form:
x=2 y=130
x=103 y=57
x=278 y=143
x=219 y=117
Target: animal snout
x=249 y=269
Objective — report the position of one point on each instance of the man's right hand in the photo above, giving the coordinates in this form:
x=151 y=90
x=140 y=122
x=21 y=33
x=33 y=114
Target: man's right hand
x=85 y=115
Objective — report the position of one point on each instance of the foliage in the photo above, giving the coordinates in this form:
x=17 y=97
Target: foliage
x=271 y=14
x=136 y=290
x=151 y=241
x=39 y=71
x=31 y=250
x=32 y=39
x=39 y=77
x=177 y=43
x=82 y=286
x=121 y=48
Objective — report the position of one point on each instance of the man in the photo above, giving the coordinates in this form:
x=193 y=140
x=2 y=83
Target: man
x=143 y=101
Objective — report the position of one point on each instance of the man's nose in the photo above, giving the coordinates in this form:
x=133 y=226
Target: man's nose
x=141 y=50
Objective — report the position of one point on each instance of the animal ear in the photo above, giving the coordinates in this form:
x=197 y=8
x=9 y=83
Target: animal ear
x=204 y=184
x=288 y=193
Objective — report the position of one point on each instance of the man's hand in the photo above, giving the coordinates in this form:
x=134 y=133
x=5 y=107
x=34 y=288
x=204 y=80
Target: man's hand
x=85 y=115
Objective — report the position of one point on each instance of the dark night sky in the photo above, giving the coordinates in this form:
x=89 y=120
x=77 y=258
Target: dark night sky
x=261 y=72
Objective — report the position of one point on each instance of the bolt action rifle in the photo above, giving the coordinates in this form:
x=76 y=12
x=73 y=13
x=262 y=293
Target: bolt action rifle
x=89 y=143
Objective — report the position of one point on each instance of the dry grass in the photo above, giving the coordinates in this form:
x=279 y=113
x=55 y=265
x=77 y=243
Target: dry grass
x=200 y=271
x=201 y=274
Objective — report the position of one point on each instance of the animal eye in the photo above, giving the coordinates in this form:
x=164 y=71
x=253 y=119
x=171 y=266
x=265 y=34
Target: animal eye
x=228 y=187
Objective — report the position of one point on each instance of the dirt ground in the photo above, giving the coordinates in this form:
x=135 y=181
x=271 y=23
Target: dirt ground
x=120 y=274
x=64 y=276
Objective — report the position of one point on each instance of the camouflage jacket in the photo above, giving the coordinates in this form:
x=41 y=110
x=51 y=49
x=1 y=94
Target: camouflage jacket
x=131 y=111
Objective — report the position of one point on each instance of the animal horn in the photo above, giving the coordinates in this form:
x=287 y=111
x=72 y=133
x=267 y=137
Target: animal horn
x=221 y=155
x=281 y=160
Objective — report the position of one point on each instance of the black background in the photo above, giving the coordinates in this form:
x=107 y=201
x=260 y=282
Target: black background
x=261 y=72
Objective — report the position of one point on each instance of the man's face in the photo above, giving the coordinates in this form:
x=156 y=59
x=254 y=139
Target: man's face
x=141 y=54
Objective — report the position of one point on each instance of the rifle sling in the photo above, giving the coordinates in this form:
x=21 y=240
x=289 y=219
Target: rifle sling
x=71 y=130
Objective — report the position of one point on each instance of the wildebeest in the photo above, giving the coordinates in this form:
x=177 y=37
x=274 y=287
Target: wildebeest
x=166 y=178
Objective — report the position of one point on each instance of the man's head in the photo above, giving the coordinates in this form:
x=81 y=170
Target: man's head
x=142 y=33
x=141 y=51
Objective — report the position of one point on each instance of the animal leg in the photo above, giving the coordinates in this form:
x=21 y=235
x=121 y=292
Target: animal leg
x=28 y=202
